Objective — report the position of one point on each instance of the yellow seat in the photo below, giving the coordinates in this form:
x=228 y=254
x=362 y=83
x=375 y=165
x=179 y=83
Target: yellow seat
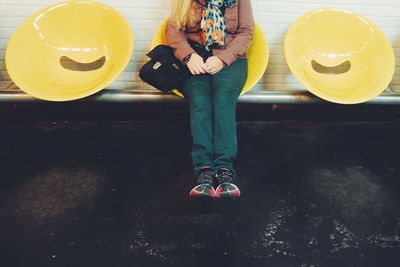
x=257 y=55
x=69 y=50
x=339 y=55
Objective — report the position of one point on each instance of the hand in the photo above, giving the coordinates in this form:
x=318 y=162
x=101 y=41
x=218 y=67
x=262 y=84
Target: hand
x=214 y=65
x=196 y=65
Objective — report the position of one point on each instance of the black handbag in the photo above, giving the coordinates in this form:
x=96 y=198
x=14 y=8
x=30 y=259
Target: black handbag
x=165 y=72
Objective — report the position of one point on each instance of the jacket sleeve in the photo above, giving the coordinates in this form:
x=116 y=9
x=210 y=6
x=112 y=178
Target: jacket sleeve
x=178 y=41
x=242 y=38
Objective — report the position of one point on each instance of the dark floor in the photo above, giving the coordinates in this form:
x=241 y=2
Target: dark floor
x=115 y=194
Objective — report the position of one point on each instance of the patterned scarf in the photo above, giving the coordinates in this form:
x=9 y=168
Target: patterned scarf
x=212 y=22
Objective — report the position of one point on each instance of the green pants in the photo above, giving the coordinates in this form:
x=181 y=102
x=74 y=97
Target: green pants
x=212 y=100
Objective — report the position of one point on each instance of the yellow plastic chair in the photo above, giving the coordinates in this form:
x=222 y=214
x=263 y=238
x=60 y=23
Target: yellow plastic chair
x=339 y=55
x=69 y=50
x=257 y=55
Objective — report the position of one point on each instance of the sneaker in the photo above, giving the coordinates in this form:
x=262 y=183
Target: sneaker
x=204 y=180
x=226 y=187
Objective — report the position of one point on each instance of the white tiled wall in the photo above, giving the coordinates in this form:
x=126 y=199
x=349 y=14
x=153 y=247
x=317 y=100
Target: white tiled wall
x=274 y=16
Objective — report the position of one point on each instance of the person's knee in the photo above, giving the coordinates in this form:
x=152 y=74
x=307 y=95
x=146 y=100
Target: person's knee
x=196 y=86
x=227 y=89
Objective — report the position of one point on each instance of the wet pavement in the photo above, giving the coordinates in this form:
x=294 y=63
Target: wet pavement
x=314 y=193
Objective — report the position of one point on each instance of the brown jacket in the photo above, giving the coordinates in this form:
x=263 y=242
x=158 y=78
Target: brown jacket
x=239 y=24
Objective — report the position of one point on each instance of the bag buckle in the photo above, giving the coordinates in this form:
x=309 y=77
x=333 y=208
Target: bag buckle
x=157 y=65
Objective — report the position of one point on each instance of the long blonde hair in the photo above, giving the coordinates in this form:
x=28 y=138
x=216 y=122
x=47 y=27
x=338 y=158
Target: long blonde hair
x=183 y=14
